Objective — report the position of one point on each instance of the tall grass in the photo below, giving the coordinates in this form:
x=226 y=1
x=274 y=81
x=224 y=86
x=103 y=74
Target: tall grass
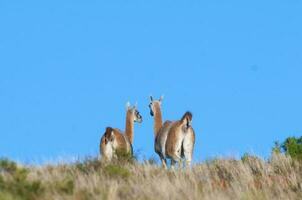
x=280 y=177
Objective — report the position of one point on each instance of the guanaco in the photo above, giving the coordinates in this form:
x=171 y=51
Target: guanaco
x=173 y=139
x=114 y=140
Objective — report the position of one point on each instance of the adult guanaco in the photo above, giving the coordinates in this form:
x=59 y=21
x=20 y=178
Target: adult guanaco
x=173 y=139
x=114 y=140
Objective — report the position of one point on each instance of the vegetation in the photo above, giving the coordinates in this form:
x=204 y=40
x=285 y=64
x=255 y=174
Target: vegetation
x=292 y=146
x=280 y=177
x=14 y=182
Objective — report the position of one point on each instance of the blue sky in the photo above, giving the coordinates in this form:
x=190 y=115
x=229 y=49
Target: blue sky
x=68 y=68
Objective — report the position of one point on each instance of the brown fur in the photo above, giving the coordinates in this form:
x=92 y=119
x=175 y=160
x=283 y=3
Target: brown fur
x=160 y=136
x=164 y=126
x=112 y=134
x=174 y=140
x=119 y=140
x=177 y=133
x=102 y=146
x=187 y=116
x=123 y=142
x=129 y=126
x=159 y=127
x=158 y=121
x=108 y=135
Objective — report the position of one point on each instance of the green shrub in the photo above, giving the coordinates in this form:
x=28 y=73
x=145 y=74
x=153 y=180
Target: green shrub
x=89 y=165
x=16 y=185
x=65 y=186
x=116 y=171
x=292 y=146
x=123 y=157
x=7 y=166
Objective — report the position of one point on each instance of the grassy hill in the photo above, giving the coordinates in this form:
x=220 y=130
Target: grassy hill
x=280 y=177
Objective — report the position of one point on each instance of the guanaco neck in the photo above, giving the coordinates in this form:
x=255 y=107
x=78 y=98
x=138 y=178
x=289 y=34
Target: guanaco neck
x=158 y=121
x=129 y=126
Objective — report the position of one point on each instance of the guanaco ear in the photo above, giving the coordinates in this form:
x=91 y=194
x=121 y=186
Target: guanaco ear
x=127 y=105
x=135 y=105
x=151 y=98
x=161 y=98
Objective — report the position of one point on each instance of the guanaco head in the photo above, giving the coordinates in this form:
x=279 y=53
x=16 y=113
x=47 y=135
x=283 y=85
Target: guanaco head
x=186 y=120
x=134 y=113
x=155 y=105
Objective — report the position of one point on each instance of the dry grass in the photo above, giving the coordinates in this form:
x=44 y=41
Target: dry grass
x=249 y=178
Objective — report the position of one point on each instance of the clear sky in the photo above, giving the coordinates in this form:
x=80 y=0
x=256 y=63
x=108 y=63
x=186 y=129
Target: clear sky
x=67 y=69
